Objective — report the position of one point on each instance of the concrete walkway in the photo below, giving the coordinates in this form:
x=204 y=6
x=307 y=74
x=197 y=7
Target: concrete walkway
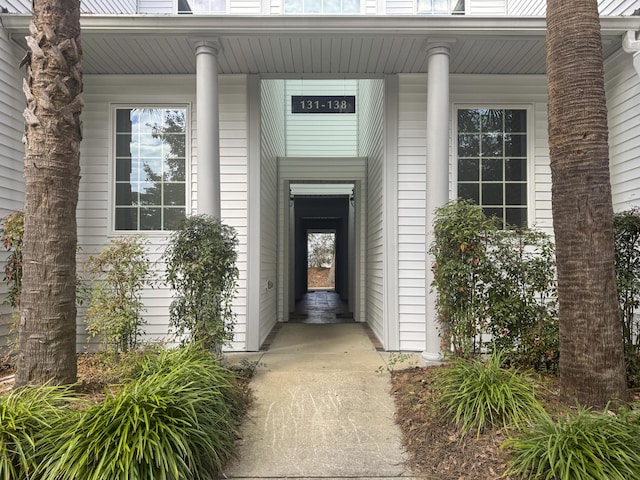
x=322 y=409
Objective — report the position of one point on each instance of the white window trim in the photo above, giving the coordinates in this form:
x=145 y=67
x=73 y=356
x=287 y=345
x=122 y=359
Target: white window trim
x=531 y=187
x=226 y=11
x=416 y=12
x=111 y=161
x=362 y=11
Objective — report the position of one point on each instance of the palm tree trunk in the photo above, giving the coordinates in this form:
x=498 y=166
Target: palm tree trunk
x=47 y=329
x=592 y=368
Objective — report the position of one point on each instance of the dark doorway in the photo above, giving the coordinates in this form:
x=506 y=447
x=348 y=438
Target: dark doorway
x=321 y=214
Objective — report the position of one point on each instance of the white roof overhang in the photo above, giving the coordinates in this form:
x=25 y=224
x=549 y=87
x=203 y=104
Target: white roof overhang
x=315 y=46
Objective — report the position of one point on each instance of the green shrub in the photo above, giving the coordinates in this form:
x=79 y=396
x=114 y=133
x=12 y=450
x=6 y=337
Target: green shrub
x=201 y=270
x=475 y=395
x=495 y=288
x=582 y=446
x=115 y=309
x=25 y=414
x=176 y=421
x=11 y=233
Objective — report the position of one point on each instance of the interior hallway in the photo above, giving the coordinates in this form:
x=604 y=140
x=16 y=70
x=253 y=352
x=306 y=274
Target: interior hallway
x=321 y=306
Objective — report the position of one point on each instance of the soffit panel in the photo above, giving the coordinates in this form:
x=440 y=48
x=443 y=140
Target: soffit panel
x=330 y=51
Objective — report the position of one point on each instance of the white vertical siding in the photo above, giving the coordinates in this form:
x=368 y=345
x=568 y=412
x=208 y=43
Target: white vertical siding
x=94 y=203
x=622 y=85
x=412 y=150
x=12 y=104
x=320 y=135
x=486 y=7
x=370 y=108
x=272 y=147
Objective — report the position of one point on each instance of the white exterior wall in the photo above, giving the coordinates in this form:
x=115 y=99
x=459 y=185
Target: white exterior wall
x=321 y=134
x=622 y=84
x=12 y=104
x=94 y=205
x=370 y=107
x=157 y=6
x=412 y=185
x=272 y=147
x=245 y=7
x=486 y=7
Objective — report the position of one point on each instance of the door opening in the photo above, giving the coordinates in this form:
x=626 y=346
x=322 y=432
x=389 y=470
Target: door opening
x=321 y=260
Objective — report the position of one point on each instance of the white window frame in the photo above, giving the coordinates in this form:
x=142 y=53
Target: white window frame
x=452 y=5
x=530 y=169
x=225 y=12
x=113 y=107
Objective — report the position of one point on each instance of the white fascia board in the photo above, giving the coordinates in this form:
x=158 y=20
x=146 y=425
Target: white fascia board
x=199 y=25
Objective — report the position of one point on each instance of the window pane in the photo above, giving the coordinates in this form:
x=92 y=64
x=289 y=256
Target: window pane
x=515 y=121
x=492 y=194
x=494 y=212
x=150 y=219
x=123 y=145
x=150 y=193
x=492 y=145
x=469 y=169
x=441 y=6
x=312 y=6
x=173 y=218
x=174 y=170
x=424 y=6
x=350 y=6
x=468 y=121
x=123 y=170
x=151 y=170
x=123 y=120
x=517 y=217
x=293 y=6
x=491 y=169
x=125 y=195
x=469 y=191
x=174 y=194
x=469 y=145
x=126 y=218
x=331 y=6
x=516 y=170
x=491 y=121
x=515 y=194
x=515 y=145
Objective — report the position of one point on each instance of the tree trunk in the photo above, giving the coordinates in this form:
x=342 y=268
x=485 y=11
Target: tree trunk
x=592 y=368
x=47 y=329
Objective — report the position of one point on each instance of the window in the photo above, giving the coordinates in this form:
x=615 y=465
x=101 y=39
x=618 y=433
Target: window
x=202 y=7
x=492 y=161
x=441 y=7
x=150 y=168
x=321 y=7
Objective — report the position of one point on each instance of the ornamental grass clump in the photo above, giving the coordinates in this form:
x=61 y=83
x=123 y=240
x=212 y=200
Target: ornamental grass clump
x=475 y=396
x=25 y=414
x=175 y=421
x=583 y=446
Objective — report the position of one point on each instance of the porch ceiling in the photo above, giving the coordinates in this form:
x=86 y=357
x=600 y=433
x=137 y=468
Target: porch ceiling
x=283 y=46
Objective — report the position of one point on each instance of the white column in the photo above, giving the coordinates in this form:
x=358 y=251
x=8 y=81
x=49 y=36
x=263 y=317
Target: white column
x=208 y=125
x=438 y=113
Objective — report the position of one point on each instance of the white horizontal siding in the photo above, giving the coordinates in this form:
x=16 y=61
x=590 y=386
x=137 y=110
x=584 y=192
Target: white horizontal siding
x=94 y=202
x=157 y=6
x=622 y=84
x=245 y=7
x=486 y=7
x=400 y=7
x=412 y=176
x=320 y=135
x=12 y=104
x=272 y=147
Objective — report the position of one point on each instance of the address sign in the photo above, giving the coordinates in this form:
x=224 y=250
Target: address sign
x=323 y=104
